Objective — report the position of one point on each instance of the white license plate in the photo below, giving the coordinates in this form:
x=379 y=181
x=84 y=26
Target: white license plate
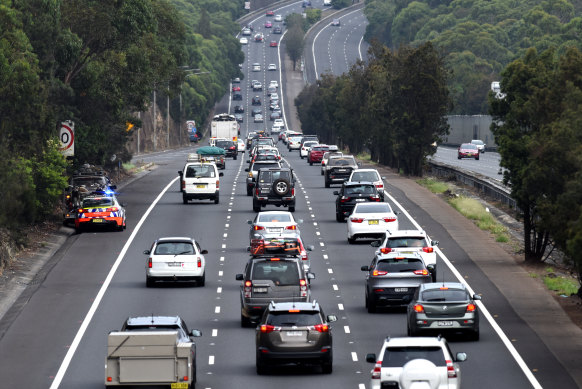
x=174 y=264
x=342 y=170
x=360 y=200
x=294 y=333
x=445 y=323
x=259 y=290
x=401 y=289
x=275 y=229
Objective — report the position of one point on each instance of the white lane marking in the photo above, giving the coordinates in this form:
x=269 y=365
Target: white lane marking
x=214 y=332
x=312 y=215
x=228 y=217
x=354 y=356
x=227 y=225
x=81 y=332
x=211 y=359
x=217 y=309
x=219 y=290
x=225 y=235
x=223 y=246
x=512 y=350
x=330 y=271
x=317 y=233
x=335 y=287
x=230 y=210
x=347 y=329
x=361 y=386
x=321 y=244
x=324 y=256
x=220 y=273
x=340 y=307
x=222 y=258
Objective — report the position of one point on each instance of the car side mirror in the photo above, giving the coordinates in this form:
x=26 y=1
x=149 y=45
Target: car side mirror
x=309 y=248
x=246 y=169
x=299 y=221
x=180 y=173
x=461 y=357
x=248 y=161
x=204 y=252
x=383 y=178
x=371 y=358
x=196 y=333
x=221 y=174
x=476 y=297
x=435 y=243
x=331 y=318
x=336 y=193
x=430 y=267
x=112 y=187
x=310 y=276
x=146 y=252
x=375 y=243
x=249 y=222
x=365 y=268
x=239 y=277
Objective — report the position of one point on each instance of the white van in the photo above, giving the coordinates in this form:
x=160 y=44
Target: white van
x=200 y=180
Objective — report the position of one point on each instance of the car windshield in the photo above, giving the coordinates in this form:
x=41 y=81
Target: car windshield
x=444 y=294
x=372 y=208
x=342 y=162
x=97 y=202
x=174 y=248
x=361 y=189
x=410 y=241
x=399 y=356
x=477 y=142
x=365 y=176
x=287 y=319
x=224 y=143
x=269 y=176
x=274 y=218
x=393 y=265
x=200 y=171
x=280 y=272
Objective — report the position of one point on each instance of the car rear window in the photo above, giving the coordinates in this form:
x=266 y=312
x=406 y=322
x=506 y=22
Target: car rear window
x=399 y=356
x=97 y=202
x=341 y=162
x=393 y=265
x=174 y=248
x=469 y=146
x=372 y=208
x=275 y=218
x=411 y=241
x=365 y=176
x=282 y=273
x=202 y=171
x=319 y=148
x=361 y=189
x=269 y=176
x=288 y=319
x=258 y=166
x=445 y=295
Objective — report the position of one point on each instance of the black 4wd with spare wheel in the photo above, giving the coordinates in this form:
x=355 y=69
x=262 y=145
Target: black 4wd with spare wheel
x=274 y=186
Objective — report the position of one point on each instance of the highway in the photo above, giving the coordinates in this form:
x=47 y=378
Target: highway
x=56 y=334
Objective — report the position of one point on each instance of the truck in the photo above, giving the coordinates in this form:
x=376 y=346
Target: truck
x=152 y=350
x=224 y=126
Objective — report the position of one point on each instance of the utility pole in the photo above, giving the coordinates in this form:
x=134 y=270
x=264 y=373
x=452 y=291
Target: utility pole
x=154 y=132
x=168 y=119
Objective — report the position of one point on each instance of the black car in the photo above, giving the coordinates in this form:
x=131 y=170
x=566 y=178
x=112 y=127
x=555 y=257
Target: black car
x=277 y=30
x=256 y=111
x=256 y=100
x=274 y=186
x=239 y=109
x=239 y=117
x=352 y=193
x=229 y=146
x=237 y=96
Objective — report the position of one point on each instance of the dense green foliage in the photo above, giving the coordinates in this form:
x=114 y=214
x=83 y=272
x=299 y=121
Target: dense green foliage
x=97 y=62
x=479 y=37
x=540 y=141
x=395 y=106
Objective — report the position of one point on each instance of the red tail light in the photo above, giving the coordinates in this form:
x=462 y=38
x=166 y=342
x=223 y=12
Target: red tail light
x=257 y=228
x=451 y=372
x=217 y=184
x=257 y=191
x=303 y=288
x=418 y=308
x=380 y=186
x=471 y=308
x=185 y=378
x=379 y=273
x=376 y=373
x=422 y=272
x=80 y=210
x=247 y=289
x=302 y=282
x=292 y=191
x=232 y=148
x=291 y=227
x=389 y=219
x=199 y=262
x=344 y=199
x=266 y=328
x=356 y=219
x=183 y=184
x=321 y=327
x=374 y=198
x=112 y=209
x=427 y=249
x=304 y=255
x=150 y=263
x=385 y=250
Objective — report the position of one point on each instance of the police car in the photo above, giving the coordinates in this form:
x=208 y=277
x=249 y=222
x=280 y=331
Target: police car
x=98 y=210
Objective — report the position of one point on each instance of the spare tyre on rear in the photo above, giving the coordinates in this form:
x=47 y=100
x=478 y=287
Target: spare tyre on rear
x=281 y=187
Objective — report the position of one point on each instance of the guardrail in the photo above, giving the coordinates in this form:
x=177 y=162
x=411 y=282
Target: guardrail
x=474 y=180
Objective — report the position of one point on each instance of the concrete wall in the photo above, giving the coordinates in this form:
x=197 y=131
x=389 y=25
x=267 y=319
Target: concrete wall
x=467 y=127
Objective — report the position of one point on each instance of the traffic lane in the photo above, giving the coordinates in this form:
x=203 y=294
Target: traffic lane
x=128 y=295
x=487 y=165
x=343 y=42
x=343 y=253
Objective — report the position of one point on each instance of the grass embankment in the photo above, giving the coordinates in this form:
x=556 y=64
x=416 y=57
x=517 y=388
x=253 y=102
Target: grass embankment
x=561 y=285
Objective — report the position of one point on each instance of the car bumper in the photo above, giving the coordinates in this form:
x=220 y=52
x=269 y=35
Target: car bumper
x=97 y=221
x=294 y=147
x=391 y=299
x=338 y=177
x=275 y=200
x=322 y=354
x=370 y=230
x=169 y=275
x=201 y=195
x=423 y=323
x=468 y=155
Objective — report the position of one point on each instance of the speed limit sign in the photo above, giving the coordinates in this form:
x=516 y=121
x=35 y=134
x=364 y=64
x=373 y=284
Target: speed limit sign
x=67 y=138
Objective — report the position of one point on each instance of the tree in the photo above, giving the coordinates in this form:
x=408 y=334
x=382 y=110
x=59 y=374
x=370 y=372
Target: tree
x=294 y=44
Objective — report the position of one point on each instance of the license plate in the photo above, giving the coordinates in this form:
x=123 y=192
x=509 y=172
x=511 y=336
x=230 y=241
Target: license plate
x=342 y=170
x=97 y=220
x=360 y=200
x=179 y=385
x=259 y=290
x=201 y=186
x=445 y=323
x=372 y=221
x=174 y=264
x=275 y=229
x=401 y=289
x=294 y=333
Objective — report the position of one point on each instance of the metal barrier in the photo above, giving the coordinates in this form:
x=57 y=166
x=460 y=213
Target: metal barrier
x=482 y=184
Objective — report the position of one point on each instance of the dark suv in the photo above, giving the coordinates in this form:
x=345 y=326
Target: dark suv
x=267 y=278
x=352 y=193
x=294 y=333
x=339 y=169
x=274 y=186
x=229 y=146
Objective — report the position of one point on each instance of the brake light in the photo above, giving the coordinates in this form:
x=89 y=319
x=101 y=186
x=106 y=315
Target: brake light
x=344 y=199
x=257 y=228
x=451 y=372
x=357 y=219
x=294 y=310
x=379 y=273
x=80 y=210
x=247 y=289
x=266 y=328
x=304 y=255
x=380 y=186
x=257 y=191
x=422 y=272
x=390 y=219
x=471 y=308
x=418 y=308
x=321 y=327
x=303 y=288
x=377 y=370
x=149 y=263
x=427 y=249
x=302 y=282
x=232 y=148
x=385 y=250
x=292 y=191
x=274 y=259
x=199 y=262
x=109 y=379
x=375 y=198
x=443 y=288
x=217 y=184
x=293 y=227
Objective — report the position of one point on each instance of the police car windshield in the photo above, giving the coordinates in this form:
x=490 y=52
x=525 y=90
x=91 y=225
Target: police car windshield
x=97 y=202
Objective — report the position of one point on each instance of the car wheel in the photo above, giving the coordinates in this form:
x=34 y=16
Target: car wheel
x=261 y=368
x=371 y=306
x=79 y=230
x=351 y=240
x=184 y=199
x=234 y=158
x=321 y=172
x=244 y=322
x=216 y=199
x=150 y=282
x=474 y=335
x=477 y=157
x=310 y=163
x=458 y=157
x=249 y=191
x=327 y=368
x=281 y=187
x=433 y=276
x=339 y=217
x=256 y=207
x=202 y=280
x=327 y=183
x=292 y=208
x=301 y=156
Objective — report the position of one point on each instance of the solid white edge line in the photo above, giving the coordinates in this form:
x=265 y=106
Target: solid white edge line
x=512 y=350
x=81 y=332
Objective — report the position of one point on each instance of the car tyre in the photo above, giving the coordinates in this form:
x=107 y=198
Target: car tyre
x=150 y=282
x=292 y=208
x=281 y=187
x=474 y=335
x=249 y=191
x=321 y=172
x=301 y=155
x=216 y=199
x=310 y=163
x=339 y=217
x=234 y=158
x=256 y=206
x=327 y=368
x=370 y=305
x=477 y=157
x=261 y=367
x=458 y=157
x=351 y=240
x=184 y=199
x=327 y=183
x=244 y=321
x=202 y=280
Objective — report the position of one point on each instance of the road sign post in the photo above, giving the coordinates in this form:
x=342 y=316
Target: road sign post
x=67 y=138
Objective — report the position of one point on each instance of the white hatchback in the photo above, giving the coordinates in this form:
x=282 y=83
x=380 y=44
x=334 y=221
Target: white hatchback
x=279 y=123
x=175 y=259
x=304 y=150
x=371 y=220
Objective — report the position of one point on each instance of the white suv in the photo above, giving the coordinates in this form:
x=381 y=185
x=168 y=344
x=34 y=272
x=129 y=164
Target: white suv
x=402 y=361
x=200 y=180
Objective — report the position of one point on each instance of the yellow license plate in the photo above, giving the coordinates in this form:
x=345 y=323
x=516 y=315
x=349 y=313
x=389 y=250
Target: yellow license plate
x=201 y=186
x=179 y=385
x=97 y=220
x=372 y=221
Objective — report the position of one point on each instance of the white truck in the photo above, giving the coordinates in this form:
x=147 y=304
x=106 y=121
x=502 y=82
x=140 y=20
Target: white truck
x=224 y=126
x=154 y=350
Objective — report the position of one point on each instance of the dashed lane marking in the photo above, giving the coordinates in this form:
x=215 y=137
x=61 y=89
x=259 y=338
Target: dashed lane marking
x=217 y=309
x=340 y=307
x=335 y=287
x=211 y=359
x=219 y=290
x=354 y=357
x=347 y=329
x=214 y=332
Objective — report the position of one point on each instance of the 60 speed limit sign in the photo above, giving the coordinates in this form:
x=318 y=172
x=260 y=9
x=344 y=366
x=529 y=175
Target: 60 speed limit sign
x=67 y=138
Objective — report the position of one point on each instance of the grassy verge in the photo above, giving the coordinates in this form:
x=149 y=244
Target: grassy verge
x=433 y=185
x=366 y=158
x=128 y=166
x=561 y=285
x=474 y=210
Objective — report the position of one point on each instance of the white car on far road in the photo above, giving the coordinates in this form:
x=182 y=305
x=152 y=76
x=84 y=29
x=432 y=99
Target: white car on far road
x=371 y=220
x=272 y=66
